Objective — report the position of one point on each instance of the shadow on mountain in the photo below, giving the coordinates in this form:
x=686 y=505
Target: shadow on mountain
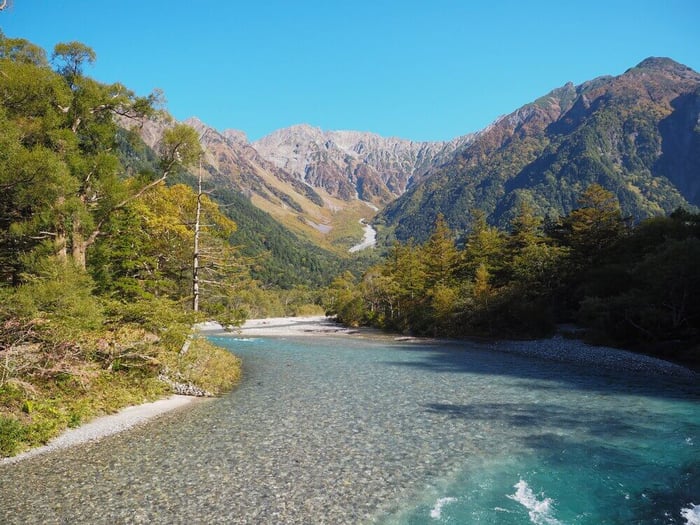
x=680 y=146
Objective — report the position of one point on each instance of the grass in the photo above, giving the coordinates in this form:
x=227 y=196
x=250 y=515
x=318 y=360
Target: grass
x=46 y=387
x=211 y=368
x=30 y=418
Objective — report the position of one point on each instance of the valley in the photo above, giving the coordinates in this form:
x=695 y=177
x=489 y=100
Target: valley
x=636 y=134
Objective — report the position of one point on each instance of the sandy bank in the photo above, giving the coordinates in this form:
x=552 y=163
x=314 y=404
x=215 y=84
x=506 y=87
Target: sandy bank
x=282 y=326
x=107 y=425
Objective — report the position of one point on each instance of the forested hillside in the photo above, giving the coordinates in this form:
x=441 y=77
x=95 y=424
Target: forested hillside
x=96 y=254
x=636 y=134
x=276 y=257
x=632 y=286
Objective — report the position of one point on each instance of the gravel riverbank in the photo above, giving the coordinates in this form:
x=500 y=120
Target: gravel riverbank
x=575 y=351
x=558 y=348
x=106 y=426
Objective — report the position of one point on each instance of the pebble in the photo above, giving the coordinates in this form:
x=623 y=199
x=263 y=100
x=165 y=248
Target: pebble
x=345 y=435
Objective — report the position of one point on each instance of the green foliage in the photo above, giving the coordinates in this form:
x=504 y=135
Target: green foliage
x=595 y=225
x=12 y=433
x=637 y=287
x=211 y=368
x=70 y=58
x=179 y=145
x=21 y=50
x=61 y=292
x=96 y=255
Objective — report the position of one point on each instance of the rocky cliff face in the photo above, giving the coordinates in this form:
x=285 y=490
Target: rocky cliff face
x=353 y=164
x=347 y=165
x=231 y=162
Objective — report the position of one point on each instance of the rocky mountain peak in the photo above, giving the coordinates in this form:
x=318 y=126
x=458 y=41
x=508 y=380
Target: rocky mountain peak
x=663 y=64
x=353 y=164
x=236 y=135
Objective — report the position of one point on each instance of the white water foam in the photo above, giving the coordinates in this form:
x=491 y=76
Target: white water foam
x=540 y=511
x=436 y=511
x=691 y=514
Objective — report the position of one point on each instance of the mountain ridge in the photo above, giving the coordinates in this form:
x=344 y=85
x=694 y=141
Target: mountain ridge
x=361 y=164
x=632 y=133
x=611 y=130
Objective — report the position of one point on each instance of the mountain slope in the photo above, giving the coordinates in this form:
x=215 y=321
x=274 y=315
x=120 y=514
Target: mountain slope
x=279 y=257
x=354 y=164
x=636 y=134
x=317 y=184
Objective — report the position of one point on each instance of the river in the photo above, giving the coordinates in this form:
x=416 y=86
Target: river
x=351 y=430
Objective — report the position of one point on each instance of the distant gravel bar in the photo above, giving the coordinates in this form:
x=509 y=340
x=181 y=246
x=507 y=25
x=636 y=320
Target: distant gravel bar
x=575 y=351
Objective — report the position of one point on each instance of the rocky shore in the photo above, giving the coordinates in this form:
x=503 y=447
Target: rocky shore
x=557 y=348
x=575 y=351
x=106 y=426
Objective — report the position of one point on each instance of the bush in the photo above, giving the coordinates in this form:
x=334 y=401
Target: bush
x=12 y=433
x=59 y=291
x=209 y=367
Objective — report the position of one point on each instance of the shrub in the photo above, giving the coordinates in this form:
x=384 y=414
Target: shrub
x=12 y=433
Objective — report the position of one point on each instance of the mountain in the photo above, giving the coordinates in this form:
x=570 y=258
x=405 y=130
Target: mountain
x=353 y=164
x=636 y=134
x=230 y=163
x=318 y=184
x=235 y=177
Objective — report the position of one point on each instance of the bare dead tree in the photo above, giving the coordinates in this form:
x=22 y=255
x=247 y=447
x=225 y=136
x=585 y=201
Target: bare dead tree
x=195 y=262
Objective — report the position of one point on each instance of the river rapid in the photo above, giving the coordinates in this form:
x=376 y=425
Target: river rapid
x=351 y=429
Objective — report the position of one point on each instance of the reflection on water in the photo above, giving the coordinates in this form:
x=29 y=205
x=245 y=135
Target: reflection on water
x=349 y=430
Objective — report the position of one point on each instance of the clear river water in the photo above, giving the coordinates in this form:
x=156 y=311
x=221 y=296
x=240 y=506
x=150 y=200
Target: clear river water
x=336 y=430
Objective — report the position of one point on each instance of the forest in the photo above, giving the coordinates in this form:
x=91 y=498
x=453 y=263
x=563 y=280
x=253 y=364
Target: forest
x=635 y=286
x=96 y=259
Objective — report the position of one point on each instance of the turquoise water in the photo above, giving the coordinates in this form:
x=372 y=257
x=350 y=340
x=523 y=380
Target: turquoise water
x=561 y=445
x=351 y=430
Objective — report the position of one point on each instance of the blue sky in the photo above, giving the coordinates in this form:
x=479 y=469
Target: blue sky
x=423 y=70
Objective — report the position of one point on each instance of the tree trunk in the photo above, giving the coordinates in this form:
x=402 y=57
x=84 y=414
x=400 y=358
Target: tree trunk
x=195 y=259
x=78 y=244
x=79 y=251
x=61 y=247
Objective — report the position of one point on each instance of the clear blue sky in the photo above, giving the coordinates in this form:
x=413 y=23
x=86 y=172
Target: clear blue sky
x=423 y=70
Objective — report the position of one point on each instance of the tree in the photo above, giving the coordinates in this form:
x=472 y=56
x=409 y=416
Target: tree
x=147 y=249
x=21 y=50
x=179 y=147
x=70 y=58
x=485 y=245
x=533 y=260
x=595 y=226
x=439 y=255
